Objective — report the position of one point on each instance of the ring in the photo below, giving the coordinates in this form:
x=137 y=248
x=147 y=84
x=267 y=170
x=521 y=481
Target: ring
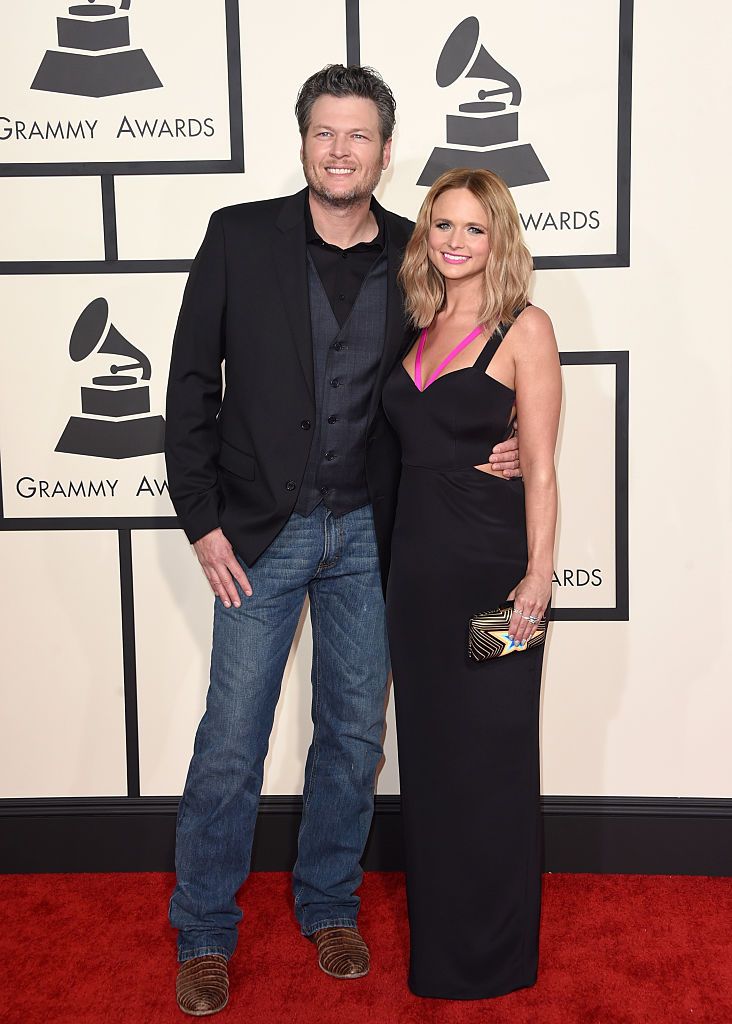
x=532 y=619
x=524 y=616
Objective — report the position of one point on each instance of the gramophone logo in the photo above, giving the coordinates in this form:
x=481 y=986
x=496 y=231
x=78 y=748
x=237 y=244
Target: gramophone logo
x=95 y=57
x=485 y=133
x=115 y=421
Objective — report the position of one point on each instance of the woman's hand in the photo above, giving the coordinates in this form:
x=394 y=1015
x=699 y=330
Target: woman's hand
x=530 y=600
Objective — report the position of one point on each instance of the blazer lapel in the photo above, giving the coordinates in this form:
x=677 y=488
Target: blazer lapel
x=290 y=258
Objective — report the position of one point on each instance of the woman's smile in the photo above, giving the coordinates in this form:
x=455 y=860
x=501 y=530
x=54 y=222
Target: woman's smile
x=454 y=257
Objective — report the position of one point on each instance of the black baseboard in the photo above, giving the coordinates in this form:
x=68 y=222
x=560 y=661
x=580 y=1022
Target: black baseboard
x=627 y=835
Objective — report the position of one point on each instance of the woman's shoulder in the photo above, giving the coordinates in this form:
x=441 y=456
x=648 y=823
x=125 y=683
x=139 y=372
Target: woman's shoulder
x=533 y=318
x=533 y=326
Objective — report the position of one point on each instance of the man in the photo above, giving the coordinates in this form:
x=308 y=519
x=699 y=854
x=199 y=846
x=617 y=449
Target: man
x=286 y=487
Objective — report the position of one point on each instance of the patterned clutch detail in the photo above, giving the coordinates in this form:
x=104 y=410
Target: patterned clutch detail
x=488 y=634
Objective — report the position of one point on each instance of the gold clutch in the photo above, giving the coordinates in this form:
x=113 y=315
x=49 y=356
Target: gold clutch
x=488 y=634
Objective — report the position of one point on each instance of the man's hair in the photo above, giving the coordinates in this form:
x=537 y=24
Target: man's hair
x=340 y=81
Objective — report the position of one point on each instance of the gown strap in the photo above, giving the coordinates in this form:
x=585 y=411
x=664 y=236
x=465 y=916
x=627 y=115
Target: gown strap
x=494 y=342
x=490 y=348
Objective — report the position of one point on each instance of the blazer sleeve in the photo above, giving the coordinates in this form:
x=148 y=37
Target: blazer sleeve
x=195 y=389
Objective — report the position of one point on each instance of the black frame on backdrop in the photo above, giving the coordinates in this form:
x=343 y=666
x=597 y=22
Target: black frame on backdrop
x=621 y=256
x=620 y=611
x=125 y=527
x=113 y=265
x=108 y=168
x=136 y=833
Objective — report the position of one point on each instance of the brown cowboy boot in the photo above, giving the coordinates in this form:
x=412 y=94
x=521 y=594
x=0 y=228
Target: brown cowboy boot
x=202 y=985
x=342 y=953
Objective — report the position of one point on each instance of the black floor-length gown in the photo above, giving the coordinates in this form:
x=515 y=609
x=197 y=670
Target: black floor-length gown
x=467 y=733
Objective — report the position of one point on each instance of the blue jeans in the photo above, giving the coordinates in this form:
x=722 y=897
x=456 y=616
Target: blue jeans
x=334 y=561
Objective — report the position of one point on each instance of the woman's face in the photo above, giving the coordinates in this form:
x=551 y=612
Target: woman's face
x=458 y=243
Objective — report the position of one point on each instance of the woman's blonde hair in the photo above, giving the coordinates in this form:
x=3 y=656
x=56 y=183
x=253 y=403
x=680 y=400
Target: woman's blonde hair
x=509 y=265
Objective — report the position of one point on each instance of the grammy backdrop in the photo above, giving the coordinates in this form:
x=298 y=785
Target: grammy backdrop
x=122 y=126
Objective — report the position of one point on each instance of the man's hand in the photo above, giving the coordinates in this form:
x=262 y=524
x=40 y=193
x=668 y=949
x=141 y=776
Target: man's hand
x=219 y=563
x=505 y=457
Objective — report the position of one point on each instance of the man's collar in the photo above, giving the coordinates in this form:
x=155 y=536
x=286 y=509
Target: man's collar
x=311 y=234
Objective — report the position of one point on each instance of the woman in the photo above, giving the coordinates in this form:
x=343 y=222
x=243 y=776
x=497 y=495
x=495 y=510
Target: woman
x=466 y=540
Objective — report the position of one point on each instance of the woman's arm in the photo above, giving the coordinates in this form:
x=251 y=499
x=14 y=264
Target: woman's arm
x=538 y=403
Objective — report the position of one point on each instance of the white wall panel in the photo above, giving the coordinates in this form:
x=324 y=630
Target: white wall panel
x=630 y=708
x=641 y=708
x=173 y=639
x=44 y=389
x=564 y=58
x=51 y=219
x=62 y=726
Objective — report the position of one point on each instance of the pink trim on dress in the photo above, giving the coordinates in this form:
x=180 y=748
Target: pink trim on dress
x=436 y=373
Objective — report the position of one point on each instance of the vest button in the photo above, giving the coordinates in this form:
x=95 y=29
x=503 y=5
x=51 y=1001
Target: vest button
x=305 y=424
x=330 y=456
x=290 y=485
x=324 y=490
x=334 y=382
x=338 y=346
x=332 y=419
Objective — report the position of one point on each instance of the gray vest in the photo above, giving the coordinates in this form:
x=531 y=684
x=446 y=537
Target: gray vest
x=345 y=363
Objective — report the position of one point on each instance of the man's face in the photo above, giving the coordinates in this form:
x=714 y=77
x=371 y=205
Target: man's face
x=341 y=153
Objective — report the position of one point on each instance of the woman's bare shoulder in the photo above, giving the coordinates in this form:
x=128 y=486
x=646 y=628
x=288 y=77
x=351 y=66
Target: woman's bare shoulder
x=533 y=329
x=533 y=319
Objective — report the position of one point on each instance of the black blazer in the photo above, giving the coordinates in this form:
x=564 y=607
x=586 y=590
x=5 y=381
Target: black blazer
x=237 y=461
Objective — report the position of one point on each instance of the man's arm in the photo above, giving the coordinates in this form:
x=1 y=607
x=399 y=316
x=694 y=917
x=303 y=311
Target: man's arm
x=193 y=402
x=195 y=389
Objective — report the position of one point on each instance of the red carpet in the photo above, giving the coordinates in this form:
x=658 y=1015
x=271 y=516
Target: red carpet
x=96 y=949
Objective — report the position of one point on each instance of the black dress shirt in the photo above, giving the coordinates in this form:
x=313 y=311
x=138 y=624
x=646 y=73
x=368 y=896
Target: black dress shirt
x=342 y=271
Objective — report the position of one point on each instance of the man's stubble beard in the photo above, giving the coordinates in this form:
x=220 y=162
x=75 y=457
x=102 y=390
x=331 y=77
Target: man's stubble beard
x=343 y=200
